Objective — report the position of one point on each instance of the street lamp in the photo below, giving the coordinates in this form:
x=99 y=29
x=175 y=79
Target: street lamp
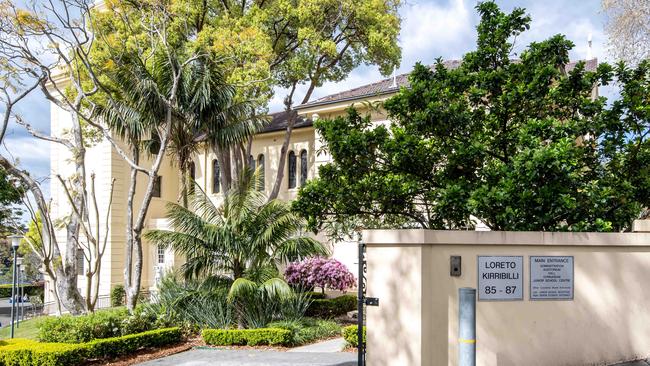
x=15 y=243
x=19 y=262
x=22 y=294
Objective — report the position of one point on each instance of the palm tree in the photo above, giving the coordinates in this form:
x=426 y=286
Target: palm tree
x=245 y=236
x=208 y=111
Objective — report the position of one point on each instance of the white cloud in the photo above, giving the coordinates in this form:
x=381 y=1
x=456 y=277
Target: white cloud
x=31 y=153
x=431 y=30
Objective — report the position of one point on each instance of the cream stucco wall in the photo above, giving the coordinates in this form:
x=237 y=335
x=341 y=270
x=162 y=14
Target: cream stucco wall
x=103 y=160
x=416 y=321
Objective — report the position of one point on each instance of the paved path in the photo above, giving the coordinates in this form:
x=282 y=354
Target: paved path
x=5 y=312
x=333 y=345
x=634 y=363
x=215 y=356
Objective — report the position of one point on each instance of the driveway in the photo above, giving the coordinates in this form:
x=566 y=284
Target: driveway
x=5 y=312
x=215 y=356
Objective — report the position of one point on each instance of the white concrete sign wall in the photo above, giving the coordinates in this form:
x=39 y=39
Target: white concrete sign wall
x=500 y=277
x=551 y=278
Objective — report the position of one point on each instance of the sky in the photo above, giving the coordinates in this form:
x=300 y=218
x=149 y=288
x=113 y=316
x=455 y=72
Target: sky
x=430 y=29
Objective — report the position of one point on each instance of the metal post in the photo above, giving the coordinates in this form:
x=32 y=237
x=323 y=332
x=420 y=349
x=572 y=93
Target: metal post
x=467 y=326
x=19 y=298
x=360 y=302
x=13 y=293
x=22 y=297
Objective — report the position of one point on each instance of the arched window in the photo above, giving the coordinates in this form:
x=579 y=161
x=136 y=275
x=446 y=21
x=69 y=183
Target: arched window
x=216 y=176
x=157 y=187
x=260 y=164
x=303 y=167
x=292 y=169
x=251 y=162
x=190 y=184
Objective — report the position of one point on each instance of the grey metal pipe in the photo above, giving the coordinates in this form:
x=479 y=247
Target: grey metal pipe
x=13 y=293
x=466 y=326
x=361 y=353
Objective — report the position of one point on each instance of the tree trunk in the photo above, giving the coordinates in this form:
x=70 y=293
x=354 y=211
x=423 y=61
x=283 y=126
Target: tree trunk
x=292 y=115
x=223 y=157
x=128 y=263
x=64 y=282
x=283 y=156
x=134 y=279
x=238 y=162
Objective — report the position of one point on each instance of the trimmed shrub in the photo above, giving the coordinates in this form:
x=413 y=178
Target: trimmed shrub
x=85 y=328
x=118 y=346
x=308 y=330
x=250 y=337
x=330 y=308
x=25 y=352
x=117 y=296
x=351 y=337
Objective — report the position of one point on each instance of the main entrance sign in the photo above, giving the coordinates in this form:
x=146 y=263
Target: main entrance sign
x=551 y=278
x=500 y=277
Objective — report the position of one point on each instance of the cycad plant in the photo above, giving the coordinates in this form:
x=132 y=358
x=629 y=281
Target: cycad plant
x=245 y=236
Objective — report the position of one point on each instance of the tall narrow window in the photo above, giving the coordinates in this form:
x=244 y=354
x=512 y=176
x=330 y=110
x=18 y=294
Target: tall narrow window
x=81 y=260
x=216 y=176
x=157 y=187
x=192 y=181
x=260 y=164
x=192 y=171
x=303 y=167
x=292 y=169
x=251 y=162
x=161 y=254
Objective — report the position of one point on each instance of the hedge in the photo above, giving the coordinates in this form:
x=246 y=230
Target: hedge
x=30 y=290
x=97 y=325
x=118 y=346
x=25 y=352
x=330 y=308
x=350 y=335
x=250 y=337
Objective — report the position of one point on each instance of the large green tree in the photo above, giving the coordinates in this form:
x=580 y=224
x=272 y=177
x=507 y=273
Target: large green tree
x=293 y=44
x=521 y=144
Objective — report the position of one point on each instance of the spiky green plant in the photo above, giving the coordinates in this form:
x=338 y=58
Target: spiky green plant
x=245 y=234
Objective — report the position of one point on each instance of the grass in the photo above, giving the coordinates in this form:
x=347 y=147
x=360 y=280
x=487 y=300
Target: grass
x=26 y=329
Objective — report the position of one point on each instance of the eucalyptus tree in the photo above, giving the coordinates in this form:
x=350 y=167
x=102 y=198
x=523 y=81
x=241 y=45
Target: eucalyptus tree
x=628 y=29
x=295 y=45
x=160 y=88
x=40 y=49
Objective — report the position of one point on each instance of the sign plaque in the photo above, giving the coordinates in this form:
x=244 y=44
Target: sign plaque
x=551 y=278
x=500 y=278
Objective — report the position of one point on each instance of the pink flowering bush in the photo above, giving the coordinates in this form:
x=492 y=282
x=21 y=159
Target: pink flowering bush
x=319 y=272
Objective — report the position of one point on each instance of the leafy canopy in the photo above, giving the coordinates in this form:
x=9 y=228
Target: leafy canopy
x=519 y=144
